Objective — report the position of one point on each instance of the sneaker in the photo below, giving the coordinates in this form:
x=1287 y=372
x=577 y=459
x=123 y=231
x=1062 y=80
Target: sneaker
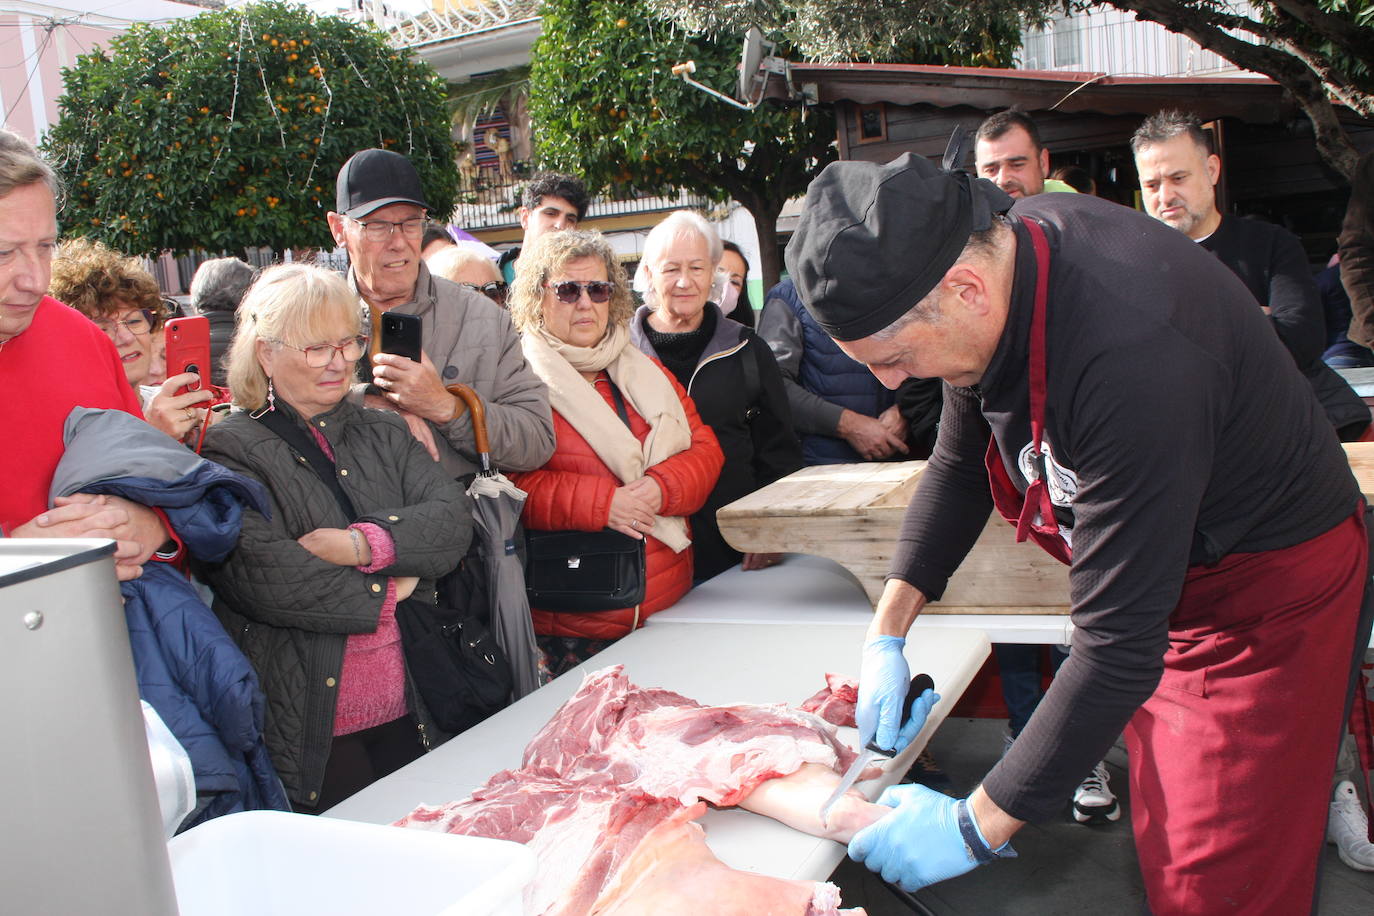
x=1093 y=800
x=1347 y=828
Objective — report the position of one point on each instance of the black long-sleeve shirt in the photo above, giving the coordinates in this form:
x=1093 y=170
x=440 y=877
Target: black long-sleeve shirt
x=1180 y=431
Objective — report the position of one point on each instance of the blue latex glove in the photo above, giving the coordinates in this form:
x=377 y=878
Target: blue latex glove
x=922 y=841
x=883 y=680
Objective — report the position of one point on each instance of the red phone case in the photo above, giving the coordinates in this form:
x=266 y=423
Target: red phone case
x=188 y=346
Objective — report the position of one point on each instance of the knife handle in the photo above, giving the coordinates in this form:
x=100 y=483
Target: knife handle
x=919 y=685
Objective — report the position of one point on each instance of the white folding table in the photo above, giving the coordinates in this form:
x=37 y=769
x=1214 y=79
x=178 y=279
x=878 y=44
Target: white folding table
x=714 y=664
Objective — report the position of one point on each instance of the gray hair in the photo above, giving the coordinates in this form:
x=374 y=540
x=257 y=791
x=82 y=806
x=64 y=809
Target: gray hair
x=678 y=224
x=219 y=285
x=20 y=166
x=450 y=260
x=1168 y=124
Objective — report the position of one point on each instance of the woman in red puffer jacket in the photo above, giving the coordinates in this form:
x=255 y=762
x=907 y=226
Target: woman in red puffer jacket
x=572 y=304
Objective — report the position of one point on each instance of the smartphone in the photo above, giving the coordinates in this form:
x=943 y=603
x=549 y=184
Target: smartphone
x=401 y=334
x=188 y=349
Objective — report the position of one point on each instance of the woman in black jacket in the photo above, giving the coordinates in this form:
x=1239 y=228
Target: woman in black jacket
x=727 y=370
x=310 y=592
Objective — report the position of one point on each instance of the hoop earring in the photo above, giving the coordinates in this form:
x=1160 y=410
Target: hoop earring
x=271 y=404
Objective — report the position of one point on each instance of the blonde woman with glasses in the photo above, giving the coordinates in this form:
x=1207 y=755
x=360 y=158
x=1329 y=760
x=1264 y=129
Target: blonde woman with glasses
x=311 y=591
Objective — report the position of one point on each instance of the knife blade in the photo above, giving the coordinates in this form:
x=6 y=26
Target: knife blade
x=919 y=684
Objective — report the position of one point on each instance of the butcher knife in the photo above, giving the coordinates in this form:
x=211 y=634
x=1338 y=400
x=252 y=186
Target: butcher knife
x=919 y=684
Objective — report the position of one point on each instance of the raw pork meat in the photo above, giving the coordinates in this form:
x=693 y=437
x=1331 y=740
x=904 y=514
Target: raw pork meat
x=672 y=872
x=618 y=762
x=835 y=704
x=668 y=746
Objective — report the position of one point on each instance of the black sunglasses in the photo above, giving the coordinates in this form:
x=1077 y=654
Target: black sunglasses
x=569 y=291
x=495 y=291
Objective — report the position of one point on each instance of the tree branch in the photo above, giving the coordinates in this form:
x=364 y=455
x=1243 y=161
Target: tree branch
x=1355 y=40
x=1288 y=71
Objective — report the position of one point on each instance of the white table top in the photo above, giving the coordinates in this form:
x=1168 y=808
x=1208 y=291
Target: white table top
x=809 y=590
x=720 y=664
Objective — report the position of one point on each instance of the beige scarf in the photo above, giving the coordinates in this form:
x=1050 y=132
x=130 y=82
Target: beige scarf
x=643 y=384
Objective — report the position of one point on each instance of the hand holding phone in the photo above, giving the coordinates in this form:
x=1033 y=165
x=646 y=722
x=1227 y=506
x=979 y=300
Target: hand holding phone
x=188 y=349
x=401 y=334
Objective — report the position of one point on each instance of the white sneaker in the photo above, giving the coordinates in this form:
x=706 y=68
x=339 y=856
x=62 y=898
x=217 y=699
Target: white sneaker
x=1347 y=828
x=1093 y=800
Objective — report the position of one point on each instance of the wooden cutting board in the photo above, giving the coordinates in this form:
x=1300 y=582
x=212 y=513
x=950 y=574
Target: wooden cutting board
x=851 y=513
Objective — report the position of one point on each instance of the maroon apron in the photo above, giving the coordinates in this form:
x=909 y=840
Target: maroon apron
x=1231 y=758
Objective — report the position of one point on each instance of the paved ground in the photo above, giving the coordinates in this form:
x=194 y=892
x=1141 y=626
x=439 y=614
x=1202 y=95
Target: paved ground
x=1064 y=867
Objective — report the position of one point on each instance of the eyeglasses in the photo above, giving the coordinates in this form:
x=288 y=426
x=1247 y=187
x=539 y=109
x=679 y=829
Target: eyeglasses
x=139 y=324
x=495 y=291
x=379 y=230
x=321 y=355
x=569 y=291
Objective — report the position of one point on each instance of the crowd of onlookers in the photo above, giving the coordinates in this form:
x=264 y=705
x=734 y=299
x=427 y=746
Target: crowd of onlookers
x=637 y=404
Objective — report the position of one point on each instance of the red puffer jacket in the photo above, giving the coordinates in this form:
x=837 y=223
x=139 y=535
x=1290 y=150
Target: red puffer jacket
x=573 y=491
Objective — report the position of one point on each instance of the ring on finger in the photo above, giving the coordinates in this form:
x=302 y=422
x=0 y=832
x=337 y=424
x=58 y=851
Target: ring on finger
x=634 y=523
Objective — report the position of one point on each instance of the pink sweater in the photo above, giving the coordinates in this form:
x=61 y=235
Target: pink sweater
x=372 y=684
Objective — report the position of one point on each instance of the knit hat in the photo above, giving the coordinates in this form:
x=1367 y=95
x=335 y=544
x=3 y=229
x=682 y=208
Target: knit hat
x=873 y=240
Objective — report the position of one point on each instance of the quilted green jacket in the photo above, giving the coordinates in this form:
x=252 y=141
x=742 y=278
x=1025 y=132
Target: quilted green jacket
x=292 y=612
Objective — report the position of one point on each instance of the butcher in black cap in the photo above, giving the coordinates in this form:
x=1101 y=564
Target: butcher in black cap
x=1113 y=392
x=379 y=218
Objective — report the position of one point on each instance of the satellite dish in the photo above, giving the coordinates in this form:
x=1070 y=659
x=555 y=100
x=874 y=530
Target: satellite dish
x=750 y=80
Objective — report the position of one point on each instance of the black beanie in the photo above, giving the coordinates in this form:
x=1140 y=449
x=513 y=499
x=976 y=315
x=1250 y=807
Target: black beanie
x=873 y=240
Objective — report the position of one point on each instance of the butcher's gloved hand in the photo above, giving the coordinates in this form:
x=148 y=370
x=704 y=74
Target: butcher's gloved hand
x=930 y=837
x=883 y=680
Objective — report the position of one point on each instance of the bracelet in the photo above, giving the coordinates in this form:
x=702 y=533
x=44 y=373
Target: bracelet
x=357 y=553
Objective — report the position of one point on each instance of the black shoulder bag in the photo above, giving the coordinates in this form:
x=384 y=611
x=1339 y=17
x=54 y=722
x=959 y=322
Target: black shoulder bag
x=581 y=571
x=458 y=669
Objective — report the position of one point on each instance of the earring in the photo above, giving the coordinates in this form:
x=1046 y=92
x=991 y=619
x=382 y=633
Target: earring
x=271 y=404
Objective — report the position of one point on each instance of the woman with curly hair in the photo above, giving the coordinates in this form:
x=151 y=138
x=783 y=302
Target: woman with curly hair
x=631 y=454
x=124 y=301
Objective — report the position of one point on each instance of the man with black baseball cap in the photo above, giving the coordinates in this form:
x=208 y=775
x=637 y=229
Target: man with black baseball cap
x=380 y=220
x=1113 y=392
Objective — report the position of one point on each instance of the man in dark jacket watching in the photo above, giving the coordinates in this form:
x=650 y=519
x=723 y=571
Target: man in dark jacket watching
x=1178 y=176
x=380 y=219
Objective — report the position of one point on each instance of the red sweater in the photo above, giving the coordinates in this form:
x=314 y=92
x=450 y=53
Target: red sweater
x=572 y=492
x=59 y=362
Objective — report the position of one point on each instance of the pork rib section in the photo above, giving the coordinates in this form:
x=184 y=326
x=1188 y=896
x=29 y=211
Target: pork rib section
x=618 y=762
x=836 y=703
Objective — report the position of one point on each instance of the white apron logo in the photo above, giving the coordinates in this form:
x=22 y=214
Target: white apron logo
x=1062 y=483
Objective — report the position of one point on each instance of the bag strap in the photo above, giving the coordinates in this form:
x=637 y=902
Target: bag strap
x=752 y=391
x=619 y=403
x=306 y=446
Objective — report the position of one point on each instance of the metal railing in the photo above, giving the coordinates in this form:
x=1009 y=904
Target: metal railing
x=497 y=206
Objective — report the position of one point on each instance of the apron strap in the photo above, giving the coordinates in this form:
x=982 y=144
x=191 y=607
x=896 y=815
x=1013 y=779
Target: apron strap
x=1038 y=491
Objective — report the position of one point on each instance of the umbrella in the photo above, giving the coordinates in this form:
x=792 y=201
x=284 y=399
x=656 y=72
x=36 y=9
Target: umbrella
x=496 y=505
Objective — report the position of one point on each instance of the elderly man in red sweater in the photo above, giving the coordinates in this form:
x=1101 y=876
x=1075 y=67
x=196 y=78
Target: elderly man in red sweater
x=52 y=359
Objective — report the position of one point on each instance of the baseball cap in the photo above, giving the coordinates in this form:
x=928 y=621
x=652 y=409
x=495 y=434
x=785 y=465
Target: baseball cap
x=373 y=178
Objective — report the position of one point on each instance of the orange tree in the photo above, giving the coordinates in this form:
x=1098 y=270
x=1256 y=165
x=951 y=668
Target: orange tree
x=226 y=130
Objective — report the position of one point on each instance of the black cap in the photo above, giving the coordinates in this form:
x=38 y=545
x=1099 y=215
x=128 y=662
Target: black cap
x=873 y=240
x=373 y=178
